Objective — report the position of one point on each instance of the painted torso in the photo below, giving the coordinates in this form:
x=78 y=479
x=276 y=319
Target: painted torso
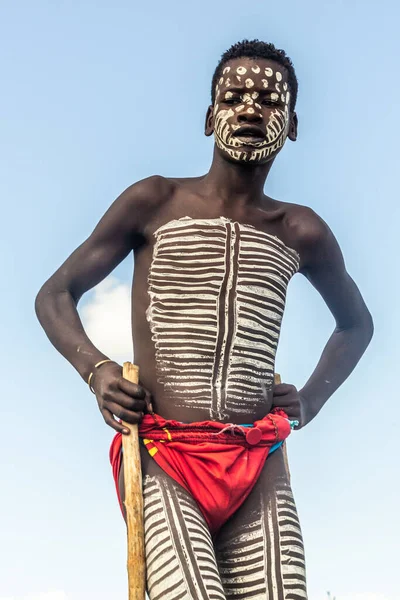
x=216 y=292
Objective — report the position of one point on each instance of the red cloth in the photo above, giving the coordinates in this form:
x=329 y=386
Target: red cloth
x=217 y=463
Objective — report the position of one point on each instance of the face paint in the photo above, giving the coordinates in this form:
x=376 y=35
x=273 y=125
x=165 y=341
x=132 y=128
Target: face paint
x=276 y=130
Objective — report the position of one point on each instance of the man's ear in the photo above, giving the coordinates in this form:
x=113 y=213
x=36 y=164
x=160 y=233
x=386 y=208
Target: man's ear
x=292 y=135
x=209 y=124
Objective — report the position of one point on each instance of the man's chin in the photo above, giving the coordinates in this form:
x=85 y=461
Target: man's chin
x=245 y=156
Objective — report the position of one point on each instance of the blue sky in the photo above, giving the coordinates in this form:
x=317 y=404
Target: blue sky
x=96 y=95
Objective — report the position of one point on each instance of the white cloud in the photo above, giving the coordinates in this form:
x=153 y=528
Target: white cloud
x=107 y=319
x=52 y=595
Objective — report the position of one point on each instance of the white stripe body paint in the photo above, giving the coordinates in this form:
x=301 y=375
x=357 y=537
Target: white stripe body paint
x=264 y=558
x=180 y=559
x=217 y=294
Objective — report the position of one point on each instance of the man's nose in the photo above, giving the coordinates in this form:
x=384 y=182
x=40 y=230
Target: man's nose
x=246 y=117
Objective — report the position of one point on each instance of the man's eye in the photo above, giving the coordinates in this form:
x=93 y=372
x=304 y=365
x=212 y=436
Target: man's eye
x=270 y=102
x=232 y=100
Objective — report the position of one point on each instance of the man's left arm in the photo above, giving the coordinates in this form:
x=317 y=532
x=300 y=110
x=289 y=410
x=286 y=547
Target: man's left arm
x=323 y=265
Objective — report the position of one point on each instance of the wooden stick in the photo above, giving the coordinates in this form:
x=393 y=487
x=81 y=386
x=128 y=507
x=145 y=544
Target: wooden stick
x=136 y=562
x=278 y=380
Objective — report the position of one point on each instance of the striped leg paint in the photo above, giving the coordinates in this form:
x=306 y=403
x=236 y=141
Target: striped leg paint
x=292 y=559
x=263 y=559
x=180 y=556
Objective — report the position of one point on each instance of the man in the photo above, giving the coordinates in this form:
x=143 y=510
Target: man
x=213 y=258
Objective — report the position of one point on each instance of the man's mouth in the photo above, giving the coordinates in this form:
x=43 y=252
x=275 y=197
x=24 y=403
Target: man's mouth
x=253 y=134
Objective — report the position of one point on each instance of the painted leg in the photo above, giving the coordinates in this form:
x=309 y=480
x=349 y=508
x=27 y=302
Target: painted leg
x=180 y=558
x=260 y=550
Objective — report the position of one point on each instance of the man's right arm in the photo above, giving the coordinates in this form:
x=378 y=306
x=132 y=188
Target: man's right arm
x=118 y=232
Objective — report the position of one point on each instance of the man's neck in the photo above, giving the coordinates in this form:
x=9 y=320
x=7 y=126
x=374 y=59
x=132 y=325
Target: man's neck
x=237 y=183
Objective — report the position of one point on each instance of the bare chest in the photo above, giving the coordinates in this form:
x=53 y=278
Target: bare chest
x=216 y=290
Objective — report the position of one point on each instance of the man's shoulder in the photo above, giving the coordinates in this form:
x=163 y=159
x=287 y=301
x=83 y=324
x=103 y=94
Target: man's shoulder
x=303 y=225
x=155 y=189
x=310 y=235
x=143 y=199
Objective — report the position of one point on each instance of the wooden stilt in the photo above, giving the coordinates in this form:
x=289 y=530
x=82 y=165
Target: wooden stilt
x=134 y=502
x=278 y=380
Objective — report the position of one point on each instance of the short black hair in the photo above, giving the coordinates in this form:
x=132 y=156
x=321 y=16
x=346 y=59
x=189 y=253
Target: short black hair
x=257 y=49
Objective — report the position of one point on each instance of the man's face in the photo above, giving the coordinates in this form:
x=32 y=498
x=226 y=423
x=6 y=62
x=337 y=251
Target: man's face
x=251 y=112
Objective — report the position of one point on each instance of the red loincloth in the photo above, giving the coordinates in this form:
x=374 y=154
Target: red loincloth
x=217 y=463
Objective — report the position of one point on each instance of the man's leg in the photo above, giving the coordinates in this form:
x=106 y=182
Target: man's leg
x=180 y=558
x=260 y=549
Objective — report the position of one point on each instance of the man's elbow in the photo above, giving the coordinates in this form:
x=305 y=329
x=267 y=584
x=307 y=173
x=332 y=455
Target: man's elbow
x=364 y=326
x=40 y=300
x=368 y=327
x=47 y=296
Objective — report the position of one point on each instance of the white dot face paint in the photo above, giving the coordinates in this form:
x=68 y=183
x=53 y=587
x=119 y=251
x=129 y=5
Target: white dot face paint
x=275 y=122
x=221 y=81
x=247 y=98
x=226 y=70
